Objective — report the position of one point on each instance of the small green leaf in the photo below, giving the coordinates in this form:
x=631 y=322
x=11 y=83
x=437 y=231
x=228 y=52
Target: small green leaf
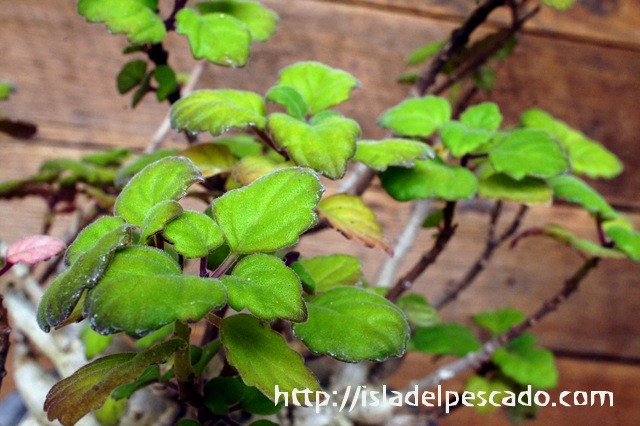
x=133 y=48
x=529 y=152
x=211 y=158
x=499 y=320
x=626 y=240
x=135 y=18
x=218 y=111
x=584 y=246
x=126 y=172
x=167 y=83
x=444 y=339
x=94 y=343
x=111 y=412
x=218 y=37
x=408 y=78
x=352 y=324
x=492 y=389
x=575 y=190
x=253 y=167
x=150 y=375
x=485 y=116
x=141 y=92
x=263 y=358
x=423 y=53
x=90 y=236
x=260 y=21
x=256 y=402
x=559 y=4
x=241 y=145
x=131 y=74
x=418 y=311
x=166 y=179
x=88 y=388
x=528 y=365
x=267 y=288
x=289 y=97
x=352 y=218
x=110 y=158
x=79 y=171
x=6 y=89
x=462 y=140
x=321 y=86
x=308 y=283
x=528 y=190
x=270 y=213
x=434 y=219
x=485 y=78
x=325 y=144
x=587 y=156
x=417 y=117
x=379 y=155
x=193 y=234
x=158 y=217
x=144 y=290
x=429 y=179
x=333 y=271
x=221 y=392
x=154 y=337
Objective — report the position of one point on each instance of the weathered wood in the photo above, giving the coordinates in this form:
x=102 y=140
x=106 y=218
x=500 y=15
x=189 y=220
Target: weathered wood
x=65 y=70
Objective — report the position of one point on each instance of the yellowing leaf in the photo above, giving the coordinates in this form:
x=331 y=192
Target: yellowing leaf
x=211 y=158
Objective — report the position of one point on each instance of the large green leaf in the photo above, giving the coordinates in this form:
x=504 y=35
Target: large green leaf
x=193 y=234
x=260 y=21
x=429 y=179
x=166 y=179
x=218 y=111
x=135 y=18
x=211 y=158
x=379 y=155
x=125 y=173
x=575 y=190
x=418 y=311
x=587 y=156
x=485 y=116
x=88 y=388
x=528 y=190
x=319 y=85
x=62 y=296
x=444 y=339
x=333 y=271
x=352 y=324
x=325 y=144
x=527 y=364
x=143 y=290
x=529 y=152
x=131 y=74
x=626 y=240
x=586 y=247
x=158 y=217
x=499 y=320
x=417 y=117
x=218 y=37
x=263 y=358
x=90 y=236
x=270 y=213
x=352 y=218
x=267 y=288
x=461 y=139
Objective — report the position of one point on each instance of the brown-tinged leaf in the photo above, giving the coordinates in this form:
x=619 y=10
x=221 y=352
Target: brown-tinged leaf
x=252 y=167
x=32 y=250
x=211 y=158
x=351 y=217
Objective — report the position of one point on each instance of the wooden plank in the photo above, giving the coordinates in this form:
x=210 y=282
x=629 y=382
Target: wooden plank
x=50 y=53
x=575 y=375
x=615 y=22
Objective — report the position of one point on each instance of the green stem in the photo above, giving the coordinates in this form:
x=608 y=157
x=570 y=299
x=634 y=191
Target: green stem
x=224 y=266
x=187 y=387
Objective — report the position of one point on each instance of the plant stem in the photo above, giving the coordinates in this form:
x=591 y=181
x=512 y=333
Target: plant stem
x=170 y=22
x=269 y=142
x=5 y=268
x=187 y=387
x=5 y=330
x=224 y=266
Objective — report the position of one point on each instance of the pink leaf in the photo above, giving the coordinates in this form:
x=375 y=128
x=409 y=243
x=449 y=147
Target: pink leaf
x=34 y=249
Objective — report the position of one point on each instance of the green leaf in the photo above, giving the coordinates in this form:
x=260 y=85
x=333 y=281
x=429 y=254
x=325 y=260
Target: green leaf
x=220 y=38
x=141 y=92
x=90 y=236
x=126 y=172
x=221 y=392
x=559 y=4
x=485 y=78
x=429 y=179
x=143 y=290
x=529 y=152
x=408 y=78
x=307 y=281
x=418 y=311
x=94 y=343
x=270 y=213
x=110 y=158
x=379 y=155
x=499 y=320
x=333 y=271
x=352 y=218
x=79 y=170
x=417 y=117
x=587 y=156
x=158 y=217
x=131 y=74
x=575 y=190
x=259 y=20
x=485 y=116
x=135 y=18
x=211 y=158
x=154 y=337
x=444 y=339
x=111 y=412
x=241 y=145
x=321 y=86
x=434 y=219
x=267 y=288
x=528 y=365
x=423 y=53
x=626 y=240
x=253 y=167
x=478 y=384
x=462 y=140
x=584 y=246
x=263 y=358
x=62 y=296
x=167 y=83
x=352 y=324
x=150 y=375
x=6 y=89
x=218 y=111
x=256 y=402
x=133 y=48
x=166 y=179
x=325 y=144
x=193 y=234
x=289 y=97
x=208 y=352
x=89 y=387
x=528 y=190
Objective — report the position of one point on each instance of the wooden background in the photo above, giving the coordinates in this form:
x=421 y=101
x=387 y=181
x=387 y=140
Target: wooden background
x=583 y=66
